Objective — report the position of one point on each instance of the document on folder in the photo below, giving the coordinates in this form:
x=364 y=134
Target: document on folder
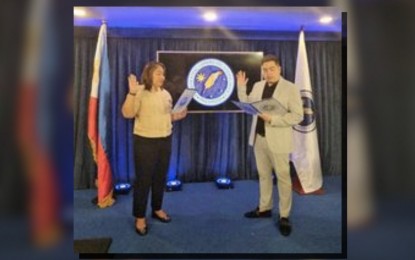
x=246 y=107
x=270 y=106
x=184 y=100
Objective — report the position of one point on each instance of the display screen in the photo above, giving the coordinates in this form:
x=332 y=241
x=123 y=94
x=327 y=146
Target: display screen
x=211 y=74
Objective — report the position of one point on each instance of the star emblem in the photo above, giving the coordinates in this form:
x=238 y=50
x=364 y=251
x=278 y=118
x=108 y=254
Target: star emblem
x=200 y=77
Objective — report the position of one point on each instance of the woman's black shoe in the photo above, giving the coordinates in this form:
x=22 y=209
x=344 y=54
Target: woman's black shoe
x=167 y=219
x=141 y=232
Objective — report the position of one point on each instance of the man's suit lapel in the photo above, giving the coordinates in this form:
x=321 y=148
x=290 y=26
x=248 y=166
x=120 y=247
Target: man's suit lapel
x=260 y=90
x=256 y=96
x=278 y=91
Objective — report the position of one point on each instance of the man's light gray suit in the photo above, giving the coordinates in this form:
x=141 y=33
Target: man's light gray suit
x=272 y=151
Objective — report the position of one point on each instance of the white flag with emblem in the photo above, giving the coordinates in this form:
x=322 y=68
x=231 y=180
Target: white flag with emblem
x=306 y=155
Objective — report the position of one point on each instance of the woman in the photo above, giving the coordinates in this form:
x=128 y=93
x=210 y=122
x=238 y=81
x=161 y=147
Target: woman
x=150 y=105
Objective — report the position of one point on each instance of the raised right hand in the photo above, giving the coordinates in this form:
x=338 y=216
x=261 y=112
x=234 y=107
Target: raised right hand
x=133 y=85
x=241 y=78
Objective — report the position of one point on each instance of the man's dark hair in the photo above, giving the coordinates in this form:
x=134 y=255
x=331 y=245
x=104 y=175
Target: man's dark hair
x=270 y=57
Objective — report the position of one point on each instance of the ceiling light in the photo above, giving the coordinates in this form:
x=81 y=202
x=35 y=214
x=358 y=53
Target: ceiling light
x=79 y=12
x=210 y=16
x=326 y=19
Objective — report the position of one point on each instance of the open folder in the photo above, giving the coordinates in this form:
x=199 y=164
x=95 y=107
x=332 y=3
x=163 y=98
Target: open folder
x=270 y=106
x=184 y=100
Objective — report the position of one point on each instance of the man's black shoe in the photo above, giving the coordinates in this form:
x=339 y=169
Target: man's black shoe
x=284 y=226
x=257 y=214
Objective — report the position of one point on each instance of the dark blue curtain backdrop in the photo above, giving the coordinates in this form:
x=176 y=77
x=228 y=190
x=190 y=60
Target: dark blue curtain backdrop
x=204 y=145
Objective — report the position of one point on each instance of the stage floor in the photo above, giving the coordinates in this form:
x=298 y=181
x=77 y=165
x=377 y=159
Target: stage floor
x=208 y=220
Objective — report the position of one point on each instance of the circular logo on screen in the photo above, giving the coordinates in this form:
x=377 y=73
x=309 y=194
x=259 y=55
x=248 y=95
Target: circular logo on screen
x=213 y=81
x=309 y=121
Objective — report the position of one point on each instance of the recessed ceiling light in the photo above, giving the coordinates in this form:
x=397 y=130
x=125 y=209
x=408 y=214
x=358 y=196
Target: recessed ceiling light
x=326 y=19
x=79 y=12
x=210 y=16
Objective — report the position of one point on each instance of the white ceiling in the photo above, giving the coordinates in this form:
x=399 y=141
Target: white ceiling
x=233 y=18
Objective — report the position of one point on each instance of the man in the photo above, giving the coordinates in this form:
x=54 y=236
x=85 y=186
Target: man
x=271 y=136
